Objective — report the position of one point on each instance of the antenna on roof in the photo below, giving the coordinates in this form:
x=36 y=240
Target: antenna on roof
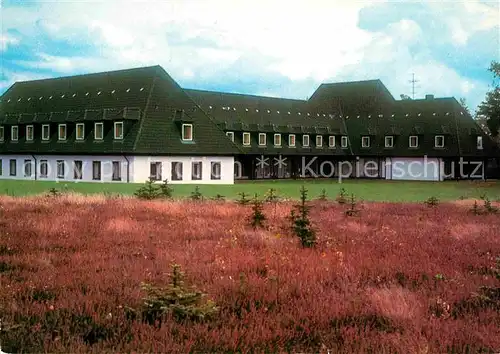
x=413 y=81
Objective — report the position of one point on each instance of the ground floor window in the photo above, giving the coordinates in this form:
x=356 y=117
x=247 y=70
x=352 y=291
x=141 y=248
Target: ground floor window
x=12 y=167
x=78 y=169
x=117 y=173
x=27 y=168
x=1 y=167
x=176 y=171
x=197 y=171
x=96 y=170
x=155 y=171
x=60 y=169
x=43 y=168
x=215 y=171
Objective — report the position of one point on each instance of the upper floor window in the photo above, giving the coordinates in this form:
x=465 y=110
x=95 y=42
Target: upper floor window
x=365 y=141
x=439 y=141
x=389 y=141
x=45 y=131
x=331 y=141
x=305 y=140
x=413 y=141
x=230 y=135
x=29 y=133
x=262 y=139
x=480 y=142
x=14 y=132
x=291 y=140
x=277 y=139
x=344 y=141
x=319 y=141
x=118 y=130
x=246 y=139
x=80 y=131
x=62 y=132
x=2 y=134
x=187 y=132
x=99 y=131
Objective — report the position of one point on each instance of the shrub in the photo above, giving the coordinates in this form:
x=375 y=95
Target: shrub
x=341 y=197
x=322 y=195
x=271 y=196
x=149 y=191
x=353 y=210
x=166 y=190
x=196 y=194
x=243 y=199
x=257 y=218
x=301 y=224
x=53 y=192
x=219 y=198
x=431 y=202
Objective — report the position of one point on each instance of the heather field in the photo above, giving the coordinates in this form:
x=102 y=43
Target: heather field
x=395 y=277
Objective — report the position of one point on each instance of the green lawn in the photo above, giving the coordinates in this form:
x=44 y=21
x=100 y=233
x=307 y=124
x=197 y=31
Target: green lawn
x=370 y=190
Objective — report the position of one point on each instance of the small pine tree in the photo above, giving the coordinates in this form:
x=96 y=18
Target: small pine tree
x=257 y=218
x=271 y=196
x=219 y=198
x=53 y=192
x=323 y=196
x=353 y=210
x=487 y=205
x=196 y=194
x=341 y=197
x=165 y=190
x=301 y=225
x=243 y=199
x=432 y=201
x=149 y=191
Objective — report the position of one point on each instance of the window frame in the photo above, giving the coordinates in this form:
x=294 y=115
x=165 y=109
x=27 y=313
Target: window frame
x=61 y=167
x=28 y=167
x=83 y=131
x=344 y=141
x=12 y=171
x=265 y=139
x=230 y=135
x=44 y=168
x=77 y=173
x=308 y=140
x=391 y=137
x=45 y=138
x=294 y=140
x=184 y=126
x=330 y=139
x=59 y=132
x=99 y=170
x=409 y=141
x=99 y=124
x=16 y=129
x=363 y=140
x=277 y=135
x=479 y=143
x=158 y=170
x=115 y=125
x=32 y=137
x=2 y=134
x=176 y=177
x=320 y=137
x=116 y=173
x=195 y=177
x=213 y=176
x=246 y=134
x=436 y=141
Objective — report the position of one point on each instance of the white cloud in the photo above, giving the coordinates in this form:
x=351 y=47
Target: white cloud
x=6 y=41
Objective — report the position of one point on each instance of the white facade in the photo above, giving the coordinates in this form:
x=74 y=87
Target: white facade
x=414 y=169
x=118 y=168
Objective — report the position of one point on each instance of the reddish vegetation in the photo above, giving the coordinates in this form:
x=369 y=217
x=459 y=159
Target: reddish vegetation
x=369 y=284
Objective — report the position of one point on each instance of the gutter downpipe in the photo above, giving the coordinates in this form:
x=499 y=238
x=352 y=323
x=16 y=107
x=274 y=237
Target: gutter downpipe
x=128 y=168
x=34 y=158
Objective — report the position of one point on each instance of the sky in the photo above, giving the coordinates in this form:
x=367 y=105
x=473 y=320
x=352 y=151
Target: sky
x=262 y=47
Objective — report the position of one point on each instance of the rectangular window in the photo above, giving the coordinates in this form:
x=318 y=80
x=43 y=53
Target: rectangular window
x=116 y=171
x=45 y=131
x=2 y=134
x=77 y=169
x=196 y=171
x=413 y=141
x=29 y=133
x=14 y=133
x=319 y=141
x=480 y=142
x=187 y=132
x=118 y=130
x=344 y=142
x=155 y=171
x=62 y=131
x=230 y=135
x=215 y=171
x=439 y=141
x=96 y=170
x=277 y=139
x=27 y=168
x=331 y=141
x=262 y=139
x=389 y=141
x=60 y=169
x=44 y=169
x=246 y=139
x=80 y=131
x=176 y=171
x=99 y=131
x=13 y=167
x=305 y=140
x=365 y=141
x=291 y=140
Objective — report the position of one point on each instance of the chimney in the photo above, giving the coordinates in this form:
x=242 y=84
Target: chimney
x=429 y=97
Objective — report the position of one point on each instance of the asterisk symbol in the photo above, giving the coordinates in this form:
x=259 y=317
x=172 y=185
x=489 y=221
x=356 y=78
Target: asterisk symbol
x=280 y=162
x=262 y=161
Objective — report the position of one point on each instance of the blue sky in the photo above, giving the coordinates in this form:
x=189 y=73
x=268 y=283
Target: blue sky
x=277 y=48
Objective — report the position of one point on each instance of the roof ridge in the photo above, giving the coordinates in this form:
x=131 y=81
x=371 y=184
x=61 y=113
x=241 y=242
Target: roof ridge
x=244 y=94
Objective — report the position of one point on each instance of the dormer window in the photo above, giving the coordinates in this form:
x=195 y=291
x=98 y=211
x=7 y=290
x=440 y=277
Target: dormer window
x=2 y=134
x=389 y=141
x=45 y=131
x=331 y=141
x=479 y=142
x=99 y=131
x=291 y=140
x=80 y=131
x=187 y=132
x=14 y=133
x=230 y=135
x=62 y=132
x=262 y=139
x=277 y=139
x=319 y=141
x=365 y=141
x=118 y=130
x=439 y=141
x=246 y=139
x=413 y=141
x=29 y=133
x=305 y=140
x=344 y=141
